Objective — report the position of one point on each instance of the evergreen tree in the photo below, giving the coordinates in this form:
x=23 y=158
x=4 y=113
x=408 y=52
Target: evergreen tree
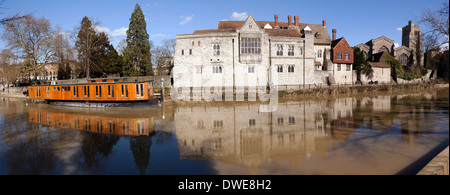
x=137 y=53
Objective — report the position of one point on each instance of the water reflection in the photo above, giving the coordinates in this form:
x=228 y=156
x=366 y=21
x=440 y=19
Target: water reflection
x=365 y=135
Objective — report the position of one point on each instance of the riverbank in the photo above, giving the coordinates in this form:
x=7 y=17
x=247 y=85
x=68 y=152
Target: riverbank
x=438 y=166
x=316 y=94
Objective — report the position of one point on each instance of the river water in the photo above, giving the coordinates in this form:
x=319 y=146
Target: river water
x=382 y=134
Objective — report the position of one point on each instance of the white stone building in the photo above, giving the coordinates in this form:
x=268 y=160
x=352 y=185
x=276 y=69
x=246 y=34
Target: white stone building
x=253 y=54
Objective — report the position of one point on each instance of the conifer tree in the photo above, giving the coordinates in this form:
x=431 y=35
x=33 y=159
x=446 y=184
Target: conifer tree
x=137 y=53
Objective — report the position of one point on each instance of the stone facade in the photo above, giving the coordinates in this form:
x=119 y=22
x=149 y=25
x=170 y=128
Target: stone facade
x=254 y=54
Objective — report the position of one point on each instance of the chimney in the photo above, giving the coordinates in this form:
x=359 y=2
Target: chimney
x=324 y=23
x=334 y=34
x=276 y=19
x=289 y=20
x=296 y=20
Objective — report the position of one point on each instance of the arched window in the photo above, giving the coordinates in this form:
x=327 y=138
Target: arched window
x=383 y=49
x=403 y=59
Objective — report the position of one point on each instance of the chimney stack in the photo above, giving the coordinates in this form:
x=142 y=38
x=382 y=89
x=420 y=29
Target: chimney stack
x=334 y=34
x=289 y=20
x=324 y=23
x=296 y=20
x=276 y=19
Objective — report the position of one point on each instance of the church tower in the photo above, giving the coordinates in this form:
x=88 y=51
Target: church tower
x=412 y=38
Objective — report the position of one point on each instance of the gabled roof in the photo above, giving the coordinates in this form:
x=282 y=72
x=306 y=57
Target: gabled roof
x=378 y=60
x=283 y=29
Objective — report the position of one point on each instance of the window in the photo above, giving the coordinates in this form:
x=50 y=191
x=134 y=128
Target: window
x=217 y=69
x=142 y=90
x=383 y=49
x=109 y=90
x=347 y=56
x=112 y=90
x=403 y=59
x=218 y=124
x=280 y=68
x=137 y=90
x=339 y=56
x=192 y=43
x=126 y=90
x=300 y=50
x=250 y=45
x=339 y=67
x=198 y=69
x=280 y=121
x=290 y=50
x=89 y=93
x=200 y=124
x=279 y=50
x=190 y=51
x=216 y=48
x=319 y=53
x=317 y=36
x=251 y=122
x=348 y=68
x=182 y=52
x=251 y=69
x=291 y=68
x=291 y=120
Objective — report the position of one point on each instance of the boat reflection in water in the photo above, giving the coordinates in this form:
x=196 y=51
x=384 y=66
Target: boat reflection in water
x=93 y=123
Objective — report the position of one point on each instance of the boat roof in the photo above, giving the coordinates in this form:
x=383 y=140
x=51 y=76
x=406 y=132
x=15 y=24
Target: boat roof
x=95 y=83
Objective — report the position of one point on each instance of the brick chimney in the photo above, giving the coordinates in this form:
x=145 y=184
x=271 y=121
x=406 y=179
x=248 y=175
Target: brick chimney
x=289 y=20
x=276 y=19
x=334 y=34
x=296 y=20
x=324 y=23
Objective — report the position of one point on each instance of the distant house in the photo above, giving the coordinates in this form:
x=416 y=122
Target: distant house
x=342 y=58
x=381 y=69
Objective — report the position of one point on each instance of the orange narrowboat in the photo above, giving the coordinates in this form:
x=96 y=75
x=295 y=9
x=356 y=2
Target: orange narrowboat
x=96 y=93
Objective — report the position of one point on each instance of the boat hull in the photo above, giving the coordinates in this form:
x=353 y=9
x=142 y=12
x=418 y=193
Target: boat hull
x=110 y=104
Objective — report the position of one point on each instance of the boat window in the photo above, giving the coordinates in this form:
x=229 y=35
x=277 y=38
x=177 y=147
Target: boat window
x=85 y=93
x=109 y=90
x=77 y=92
x=73 y=91
x=126 y=90
x=96 y=91
x=100 y=91
x=142 y=90
x=122 y=90
x=137 y=90
x=112 y=86
x=89 y=92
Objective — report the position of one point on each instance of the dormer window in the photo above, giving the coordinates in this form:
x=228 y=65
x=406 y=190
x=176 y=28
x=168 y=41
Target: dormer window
x=317 y=36
x=250 y=26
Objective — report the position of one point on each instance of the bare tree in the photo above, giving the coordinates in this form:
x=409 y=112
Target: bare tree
x=437 y=23
x=30 y=41
x=11 y=18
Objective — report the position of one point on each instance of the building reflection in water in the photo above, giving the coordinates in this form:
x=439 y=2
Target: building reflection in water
x=241 y=134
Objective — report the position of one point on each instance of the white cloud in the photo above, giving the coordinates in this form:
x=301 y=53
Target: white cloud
x=239 y=16
x=119 y=32
x=399 y=29
x=396 y=45
x=186 y=19
x=157 y=35
x=101 y=29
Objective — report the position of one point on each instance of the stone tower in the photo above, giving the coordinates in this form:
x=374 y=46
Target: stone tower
x=412 y=38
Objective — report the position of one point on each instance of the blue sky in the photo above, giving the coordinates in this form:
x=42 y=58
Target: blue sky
x=356 y=20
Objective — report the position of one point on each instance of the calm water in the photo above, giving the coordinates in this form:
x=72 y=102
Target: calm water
x=367 y=135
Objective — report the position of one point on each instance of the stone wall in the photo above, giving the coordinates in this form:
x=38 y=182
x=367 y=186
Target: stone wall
x=437 y=166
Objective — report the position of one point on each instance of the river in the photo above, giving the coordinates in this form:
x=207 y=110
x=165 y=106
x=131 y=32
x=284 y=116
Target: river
x=382 y=134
